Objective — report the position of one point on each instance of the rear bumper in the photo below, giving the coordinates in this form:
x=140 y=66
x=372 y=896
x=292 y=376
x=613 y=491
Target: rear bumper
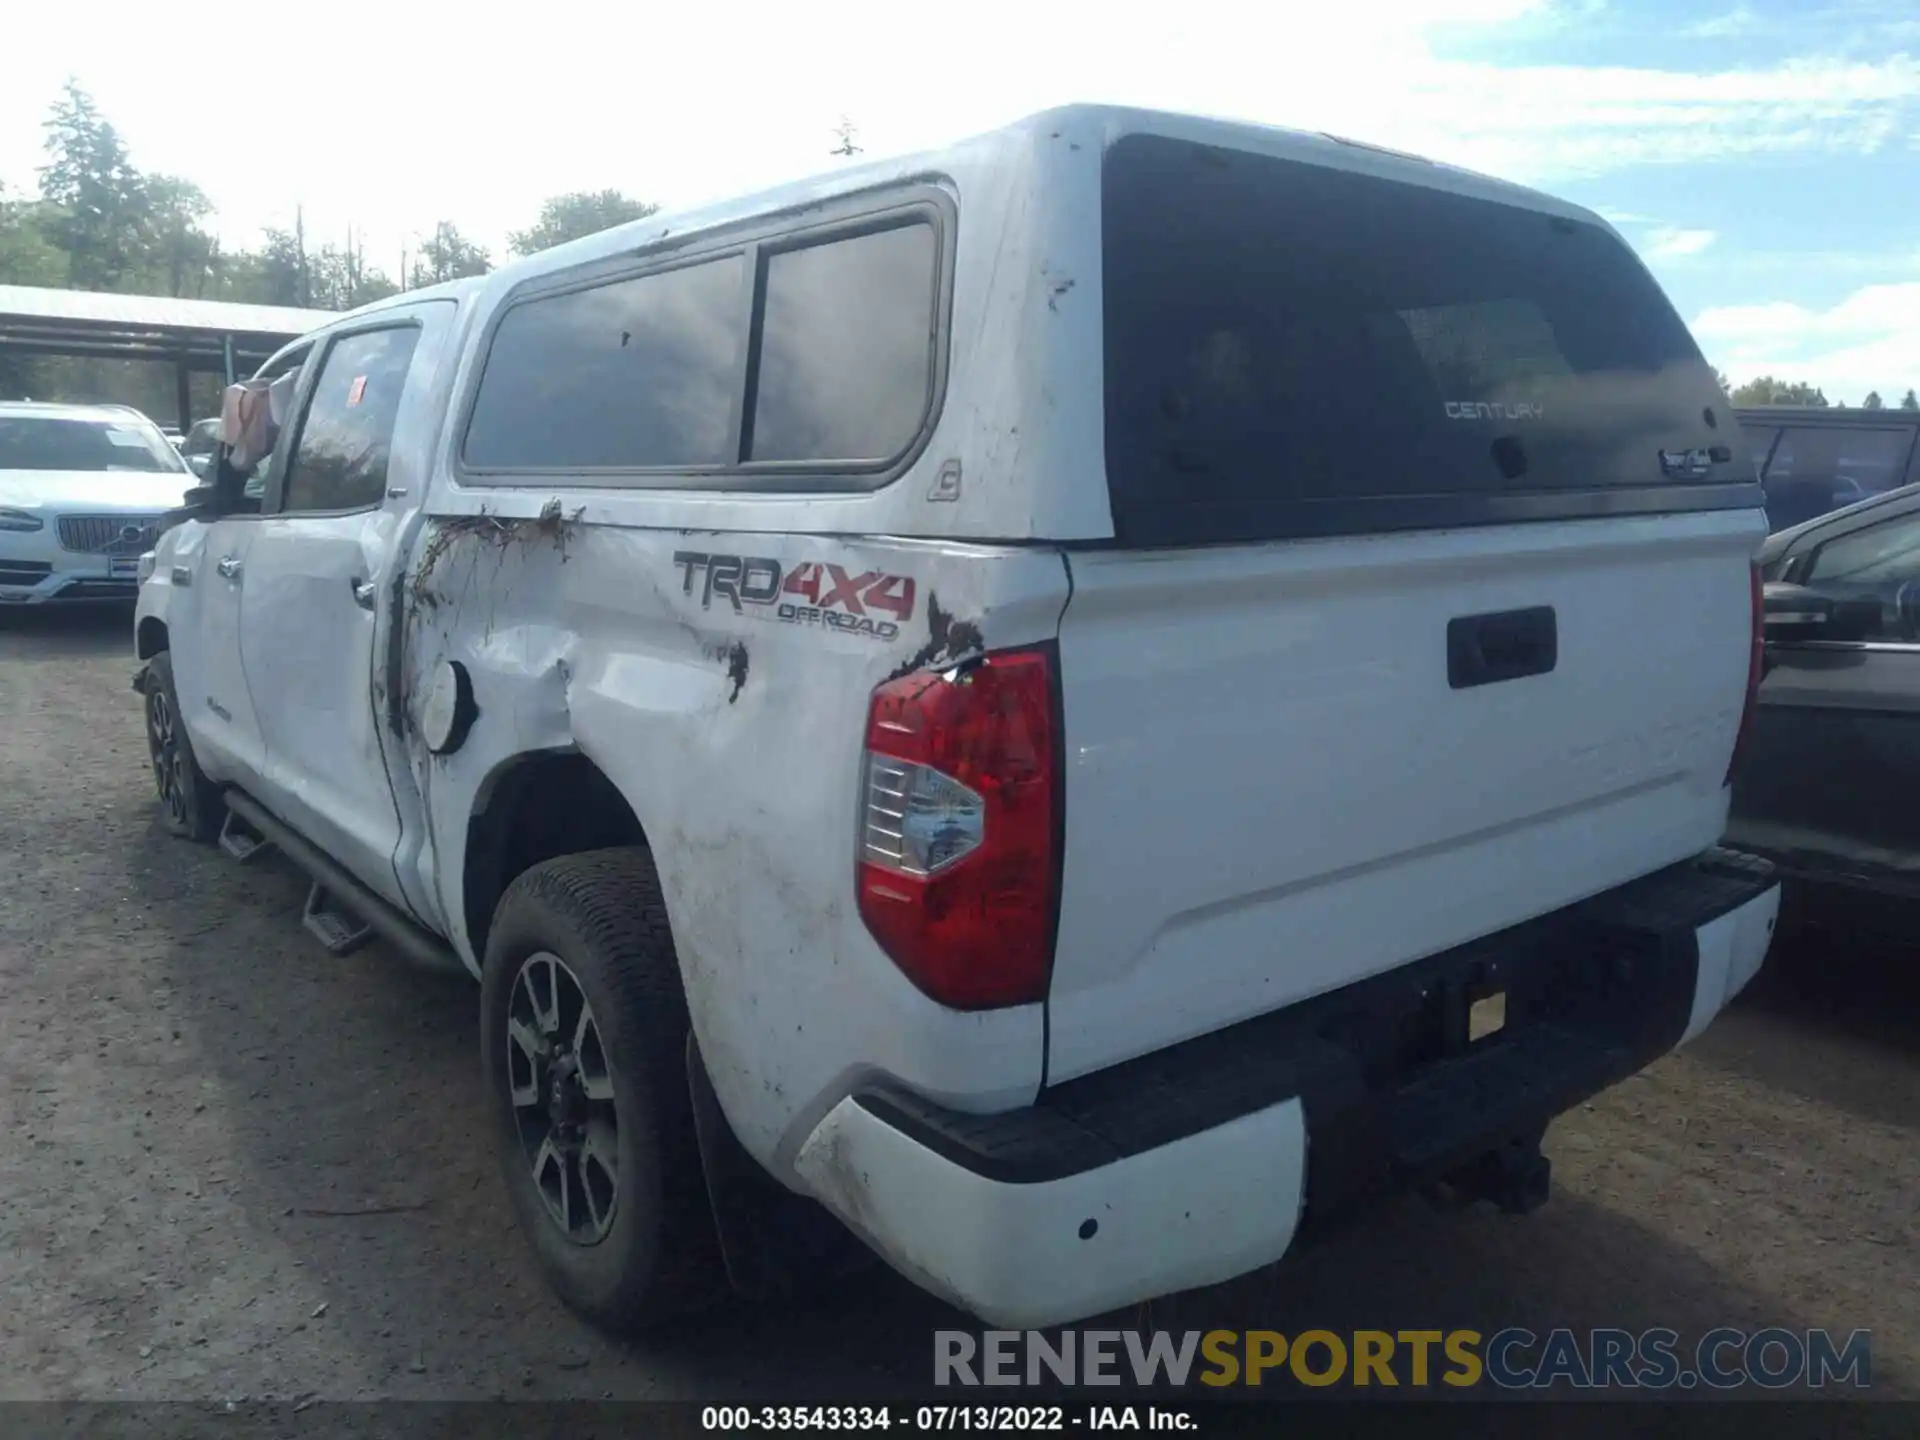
x=1212 y=1158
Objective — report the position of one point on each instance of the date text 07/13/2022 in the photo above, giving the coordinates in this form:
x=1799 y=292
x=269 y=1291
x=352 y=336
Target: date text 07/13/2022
x=930 y=1419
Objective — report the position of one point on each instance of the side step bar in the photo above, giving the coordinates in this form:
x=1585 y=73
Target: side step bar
x=428 y=951
x=341 y=931
x=240 y=840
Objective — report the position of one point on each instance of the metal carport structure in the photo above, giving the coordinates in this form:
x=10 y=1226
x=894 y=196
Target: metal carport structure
x=216 y=336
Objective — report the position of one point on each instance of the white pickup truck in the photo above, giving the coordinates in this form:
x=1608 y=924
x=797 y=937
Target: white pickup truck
x=1085 y=704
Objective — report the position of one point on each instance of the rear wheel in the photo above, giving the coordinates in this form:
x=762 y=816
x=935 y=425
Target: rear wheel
x=190 y=804
x=584 y=1039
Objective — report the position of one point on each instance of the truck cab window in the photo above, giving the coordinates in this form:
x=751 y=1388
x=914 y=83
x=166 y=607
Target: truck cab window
x=339 y=459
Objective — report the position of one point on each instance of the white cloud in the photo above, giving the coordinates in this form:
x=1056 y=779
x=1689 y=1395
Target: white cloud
x=1551 y=122
x=1867 y=310
x=420 y=113
x=1669 y=244
x=1739 y=324
x=1739 y=21
x=1868 y=341
x=1869 y=265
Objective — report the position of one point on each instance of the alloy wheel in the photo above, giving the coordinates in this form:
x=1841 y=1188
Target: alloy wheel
x=163 y=746
x=560 y=1086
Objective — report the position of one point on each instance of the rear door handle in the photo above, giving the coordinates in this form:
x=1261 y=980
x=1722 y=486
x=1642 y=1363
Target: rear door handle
x=363 y=593
x=1508 y=645
x=229 y=567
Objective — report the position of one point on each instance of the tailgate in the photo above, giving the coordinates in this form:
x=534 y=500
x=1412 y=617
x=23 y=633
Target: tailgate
x=1428 y=605
x=1279 y=781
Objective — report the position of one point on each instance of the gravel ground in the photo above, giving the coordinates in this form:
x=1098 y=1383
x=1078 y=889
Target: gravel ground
x=234 y=1166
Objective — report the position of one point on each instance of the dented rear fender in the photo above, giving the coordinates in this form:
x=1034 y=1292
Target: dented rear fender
x=721 y=683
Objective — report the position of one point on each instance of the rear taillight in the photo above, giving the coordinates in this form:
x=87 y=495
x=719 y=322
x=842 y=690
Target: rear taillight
x=1756 y=665
x=959 y=870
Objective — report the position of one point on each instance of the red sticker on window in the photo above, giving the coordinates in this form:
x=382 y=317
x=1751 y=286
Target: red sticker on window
x=356 y=390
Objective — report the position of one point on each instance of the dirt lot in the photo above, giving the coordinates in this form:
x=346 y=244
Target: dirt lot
x=198 y=1100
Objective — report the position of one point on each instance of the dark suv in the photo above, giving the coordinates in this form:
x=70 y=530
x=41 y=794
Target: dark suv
x=1813 y=461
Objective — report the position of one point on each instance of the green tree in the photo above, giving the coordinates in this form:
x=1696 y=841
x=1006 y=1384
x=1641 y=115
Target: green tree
x=1768 y=391
x=98 y=196
x=447 y=255
x=288 y=271
x=1873 y=401
x=339 y=278
x=280 y=269
x=1910 y=401
x=361 y=283
x=373 y=285
x=239 y=275
x=27 y=257
x=575 y=215
x=178 y=251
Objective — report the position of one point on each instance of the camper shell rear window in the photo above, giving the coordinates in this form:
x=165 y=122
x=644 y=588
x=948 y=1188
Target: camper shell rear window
x=1296 y=350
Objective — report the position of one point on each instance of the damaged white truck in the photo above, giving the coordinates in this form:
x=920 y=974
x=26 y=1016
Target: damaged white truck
x=1075 y=708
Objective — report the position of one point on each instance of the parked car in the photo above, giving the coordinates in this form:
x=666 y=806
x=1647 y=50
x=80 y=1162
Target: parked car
x=82 y=489
x=197 y=447
x=1829 y=783
x=1044 y=739
x=1814 y=461
x=171 y=432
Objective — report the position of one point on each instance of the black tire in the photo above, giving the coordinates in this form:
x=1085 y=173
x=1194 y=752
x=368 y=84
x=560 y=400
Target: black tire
x=190 y=804
x=653 y=1253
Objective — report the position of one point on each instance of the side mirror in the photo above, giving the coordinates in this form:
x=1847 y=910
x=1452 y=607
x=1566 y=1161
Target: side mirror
x=196 y=504
x=199 y=503
x=201 y=465
x=1793 y=611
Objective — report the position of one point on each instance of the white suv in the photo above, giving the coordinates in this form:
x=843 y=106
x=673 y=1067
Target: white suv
x=1085 y=702
x=82 y=492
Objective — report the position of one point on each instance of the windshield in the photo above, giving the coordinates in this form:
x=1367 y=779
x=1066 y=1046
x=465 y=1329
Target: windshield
x=48 y=442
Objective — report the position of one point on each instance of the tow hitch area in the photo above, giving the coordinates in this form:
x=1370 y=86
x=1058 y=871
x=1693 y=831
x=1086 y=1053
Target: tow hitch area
x=1516 y=1178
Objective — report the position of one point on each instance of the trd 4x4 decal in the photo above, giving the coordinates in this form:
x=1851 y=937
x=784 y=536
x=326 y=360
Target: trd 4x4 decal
x=812 y=592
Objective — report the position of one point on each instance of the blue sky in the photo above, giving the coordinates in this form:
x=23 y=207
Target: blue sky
x=1787 y=230
x=1764 y=156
